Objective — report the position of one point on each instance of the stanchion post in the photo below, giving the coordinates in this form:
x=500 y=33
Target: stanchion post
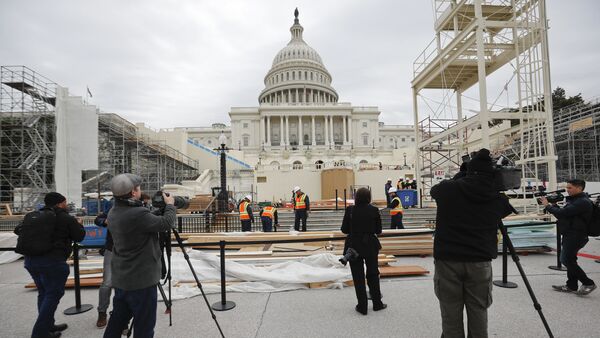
x=345 y=199
x=223 y=305
x=336 y=199
x=179 y=224
x=504 y=283
x=558 y=265
x=78 y=308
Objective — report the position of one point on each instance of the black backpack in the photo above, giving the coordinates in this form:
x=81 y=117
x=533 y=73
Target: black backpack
x=594 y=225
x=37 y=233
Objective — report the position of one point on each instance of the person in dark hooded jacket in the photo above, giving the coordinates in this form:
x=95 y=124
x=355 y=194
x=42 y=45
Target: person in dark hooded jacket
x=469 y=210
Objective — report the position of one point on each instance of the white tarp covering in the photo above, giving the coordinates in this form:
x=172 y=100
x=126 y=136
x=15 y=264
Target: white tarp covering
x=289 y=275
x=76 y=143
x=8 y=240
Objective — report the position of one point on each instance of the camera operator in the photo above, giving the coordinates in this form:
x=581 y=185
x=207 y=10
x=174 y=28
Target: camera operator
x=136 y=263
x=362 y=222
x=572 y=221
x=469 y=210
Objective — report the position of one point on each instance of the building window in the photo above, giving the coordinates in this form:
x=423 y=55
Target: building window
x=412 y=139
x=319 y=165
x=245 y=125
x=287 y=76
x=297 y=165
x=403 y=139
x=293 y=75
x=261 y=179
x=364 y=124
x=311 y=76
x=365 y=139
x=246 y=140
x=209 y=142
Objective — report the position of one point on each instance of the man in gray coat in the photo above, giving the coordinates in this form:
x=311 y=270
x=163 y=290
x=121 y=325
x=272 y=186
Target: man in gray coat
x=136 y=261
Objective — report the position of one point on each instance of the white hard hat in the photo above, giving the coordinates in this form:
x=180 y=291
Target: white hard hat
x=392 y=189
x=296 y=189
x=248 y=197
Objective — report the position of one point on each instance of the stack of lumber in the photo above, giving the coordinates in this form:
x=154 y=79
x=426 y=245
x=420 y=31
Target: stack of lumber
x=5 y=209
x=197 y=203
x=399 y=246
x=329 y=204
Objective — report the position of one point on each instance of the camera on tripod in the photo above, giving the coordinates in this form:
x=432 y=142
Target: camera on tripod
x=158 y=201
x=350 y=256
x=552 y=196
x=506 y=175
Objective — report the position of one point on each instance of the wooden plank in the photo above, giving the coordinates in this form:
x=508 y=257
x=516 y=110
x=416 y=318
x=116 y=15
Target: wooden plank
x=84 y=282
x=402 y=270
x=320 y=285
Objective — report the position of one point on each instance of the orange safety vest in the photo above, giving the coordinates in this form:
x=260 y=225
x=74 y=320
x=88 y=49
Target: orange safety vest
x=300 y=202
x=244 y=216
x=268 y=211
x=398 y=209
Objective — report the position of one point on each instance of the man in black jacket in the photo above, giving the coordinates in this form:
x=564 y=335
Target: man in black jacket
x=469 y=210
x=50 y=270
x=136 y=261
x=573 y=220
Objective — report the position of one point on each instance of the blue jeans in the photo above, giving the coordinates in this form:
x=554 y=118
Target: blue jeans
x=267 y=224
x=50 y=275
x=139 y=304
x=571 y=244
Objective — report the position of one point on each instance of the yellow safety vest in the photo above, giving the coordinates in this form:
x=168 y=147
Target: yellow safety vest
x=244 y=211
x=268 y=211
x=300 y=202
x=398 y=209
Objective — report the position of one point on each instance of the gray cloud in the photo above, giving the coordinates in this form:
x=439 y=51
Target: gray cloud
x=185 y=63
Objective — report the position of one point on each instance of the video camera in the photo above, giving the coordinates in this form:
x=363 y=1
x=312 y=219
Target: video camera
x=158 y=201
x=552 y=196
x=350 y=256
x=506 y=175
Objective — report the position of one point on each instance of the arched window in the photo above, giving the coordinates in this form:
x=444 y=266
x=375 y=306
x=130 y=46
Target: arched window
x=274 y=164
x=363 y=162
x=319 y=165
x=293 y=75
x=297 y=165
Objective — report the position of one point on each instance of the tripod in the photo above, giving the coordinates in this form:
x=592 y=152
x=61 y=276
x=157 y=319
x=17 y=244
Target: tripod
x=517 y=261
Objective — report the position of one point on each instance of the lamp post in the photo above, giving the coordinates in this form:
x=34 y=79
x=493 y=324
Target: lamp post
x=223 y=198
x=404 y=159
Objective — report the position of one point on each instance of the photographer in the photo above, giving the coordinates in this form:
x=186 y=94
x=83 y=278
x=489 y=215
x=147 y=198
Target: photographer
x=135 y=265
x=362 y=223
x=572 y=221
x=469 y=210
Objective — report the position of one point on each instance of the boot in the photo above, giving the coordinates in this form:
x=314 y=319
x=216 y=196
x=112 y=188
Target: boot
x=101 y=322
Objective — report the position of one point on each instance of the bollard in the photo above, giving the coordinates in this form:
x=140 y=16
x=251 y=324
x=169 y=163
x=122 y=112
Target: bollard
x=223 y=305
x=78 y=308
x=504 y=283
x=336 y=199
x=558 y=265
x=345 y=199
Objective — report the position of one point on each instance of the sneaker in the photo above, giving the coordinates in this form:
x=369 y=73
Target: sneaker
x=59 y=327
x=586 y=289
x=562 y=288
x=101 y=322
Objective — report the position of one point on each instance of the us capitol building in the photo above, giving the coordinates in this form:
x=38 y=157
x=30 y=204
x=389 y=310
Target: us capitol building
x=299 y=128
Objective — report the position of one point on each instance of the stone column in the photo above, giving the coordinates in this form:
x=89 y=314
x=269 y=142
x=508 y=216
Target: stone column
x=300 y=134
x=331 y=134
x=326 y=130
x=281 y=143
x=268 y=130
x=313 y=139
x=350 y=139
x=287 y=130
x=344 y=124
x=262 y=131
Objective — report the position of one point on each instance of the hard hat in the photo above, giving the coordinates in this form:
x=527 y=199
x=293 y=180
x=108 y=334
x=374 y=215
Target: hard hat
x=296 y=189
x=392 y=189
x=248 y=197
x=389 y=179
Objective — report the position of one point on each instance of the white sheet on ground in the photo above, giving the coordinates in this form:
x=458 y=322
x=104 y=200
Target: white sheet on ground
x=284 y=276
x=8 y=240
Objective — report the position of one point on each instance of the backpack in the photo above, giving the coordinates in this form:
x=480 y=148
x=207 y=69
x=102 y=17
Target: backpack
x=594 y=225
x=36 y=233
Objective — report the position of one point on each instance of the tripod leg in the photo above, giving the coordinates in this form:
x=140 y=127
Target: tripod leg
x=187 y=258
x=516 y=259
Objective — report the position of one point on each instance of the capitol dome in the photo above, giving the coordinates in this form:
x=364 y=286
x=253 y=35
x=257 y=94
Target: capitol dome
x=298 y=75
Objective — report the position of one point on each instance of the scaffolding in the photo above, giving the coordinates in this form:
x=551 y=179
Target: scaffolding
x=577 y=139
x=27 y=135
x=122 y=149
x=474 y=39
x=28 y=145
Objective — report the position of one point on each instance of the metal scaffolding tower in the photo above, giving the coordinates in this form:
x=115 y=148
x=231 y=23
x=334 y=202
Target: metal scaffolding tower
x=27 y=135
x=28 y=138
x=475 y=38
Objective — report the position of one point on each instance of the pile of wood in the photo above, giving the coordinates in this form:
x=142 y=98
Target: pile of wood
x=197 y=203
x=419 y=245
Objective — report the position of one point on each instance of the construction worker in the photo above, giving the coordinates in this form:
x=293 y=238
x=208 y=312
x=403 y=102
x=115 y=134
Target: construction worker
x=268 y=214
x=396 y=210
x=301 y=208
x=246 y=213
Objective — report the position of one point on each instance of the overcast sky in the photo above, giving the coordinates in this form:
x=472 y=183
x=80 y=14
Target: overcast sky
x=185 y=63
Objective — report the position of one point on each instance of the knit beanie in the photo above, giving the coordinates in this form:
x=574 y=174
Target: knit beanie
x=481 y=162
x=53 y=198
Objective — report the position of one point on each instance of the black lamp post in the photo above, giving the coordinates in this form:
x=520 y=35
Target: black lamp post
x=404 y=159
x=223 y=196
